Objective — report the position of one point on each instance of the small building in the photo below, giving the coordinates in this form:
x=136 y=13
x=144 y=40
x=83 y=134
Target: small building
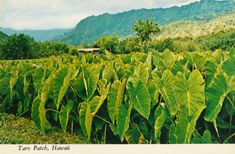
x=89 y=50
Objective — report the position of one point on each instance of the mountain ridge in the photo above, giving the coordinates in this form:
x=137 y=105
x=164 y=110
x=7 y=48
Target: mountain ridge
x=94 y=27
x=2 y=35
x=38 y=35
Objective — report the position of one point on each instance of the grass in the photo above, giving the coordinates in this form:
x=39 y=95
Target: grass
x=18 y=130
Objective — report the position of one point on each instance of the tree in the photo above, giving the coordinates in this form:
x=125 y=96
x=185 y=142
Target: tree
x=129 y=44
x=109 y=43
x=144 y=30
x=17 y=46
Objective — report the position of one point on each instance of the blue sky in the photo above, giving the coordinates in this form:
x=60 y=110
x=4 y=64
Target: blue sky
x=48 y=14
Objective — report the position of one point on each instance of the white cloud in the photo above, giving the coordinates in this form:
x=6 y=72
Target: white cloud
x=44 y=14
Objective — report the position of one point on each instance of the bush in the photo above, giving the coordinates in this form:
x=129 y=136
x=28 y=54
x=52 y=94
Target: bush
x=17 y=46
x=109 y=43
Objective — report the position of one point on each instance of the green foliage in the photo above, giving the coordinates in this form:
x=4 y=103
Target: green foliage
x=17 y=46
x=2 y=36
x=224 y=40
x=126 y=98
x=109 y=43
x=144 y=29
x=46 y=49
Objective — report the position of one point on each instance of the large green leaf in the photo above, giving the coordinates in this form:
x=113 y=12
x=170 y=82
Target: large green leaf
x=61 y=84
x=88 y=121
x=85 y=116
x=38 y=107
x=229 y=66
x=64 y=114
x=13 y=81
x=160 y=118
x=135 y=136
x=167 y=83
x=206 y=138
x=86 y=82
x=115 y=98
x=191 y=98
x=123 y=119
x=140 y=97
x=38 y=78
x=108 y=71
x=141 y=72
x=154 y=90
x=215 y=95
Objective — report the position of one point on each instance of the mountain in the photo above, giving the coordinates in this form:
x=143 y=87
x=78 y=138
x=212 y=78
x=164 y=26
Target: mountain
x=197 y=28
x=2 y=36
x=93 y=27
x=38 y=35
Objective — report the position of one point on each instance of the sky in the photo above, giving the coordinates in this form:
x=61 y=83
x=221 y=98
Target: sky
x=50 y=14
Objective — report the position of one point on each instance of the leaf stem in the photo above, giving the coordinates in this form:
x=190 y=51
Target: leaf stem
x=230 y=102
x=230 y=137
x=103 y=119
x=23 y=113
x=52 y=110
x=198 y=133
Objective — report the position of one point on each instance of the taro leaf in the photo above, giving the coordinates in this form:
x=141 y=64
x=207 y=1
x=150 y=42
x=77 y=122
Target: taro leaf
x=82 y=117
x=19 y=108
x=223 y=124
x=167 y=83
x=229 y=66
x=135 y=136
x=104 y=93
x=206 y=138
x=167 y=59
x=211 y=69
x=148 y=61
x=88 y=121
x=95 y=104
x=85 y=119
x=64 y=114
x=215 y=95
x=86 y=82
x=191 y=99
x=61 y=84
x=13 y=81
x=5 y=84
x=172 y=136
x=38 y=114
x=115 y=98
x=160 y=118
x=198 y=60
x=123 y=119
x=38 y=107
x=38 y=79
x=141 y=72
x=140 y=97
x=26 y=85
x=178 y=67
x=154 y=90
x=108 y=71
x=144 y=129
x=35 y=112
x=114 y=129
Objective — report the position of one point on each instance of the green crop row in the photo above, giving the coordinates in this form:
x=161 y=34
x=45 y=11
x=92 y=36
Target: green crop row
x=132 y=98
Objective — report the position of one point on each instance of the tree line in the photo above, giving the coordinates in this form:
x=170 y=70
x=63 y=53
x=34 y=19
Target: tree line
x=21 y=46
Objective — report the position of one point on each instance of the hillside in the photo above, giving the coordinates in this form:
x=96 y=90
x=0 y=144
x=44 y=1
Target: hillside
x=2 y=35
x=119 y=24
x=197 y=28
x=38 y=35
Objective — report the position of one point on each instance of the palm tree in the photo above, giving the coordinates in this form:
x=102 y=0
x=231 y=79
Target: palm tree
x=144 y=30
